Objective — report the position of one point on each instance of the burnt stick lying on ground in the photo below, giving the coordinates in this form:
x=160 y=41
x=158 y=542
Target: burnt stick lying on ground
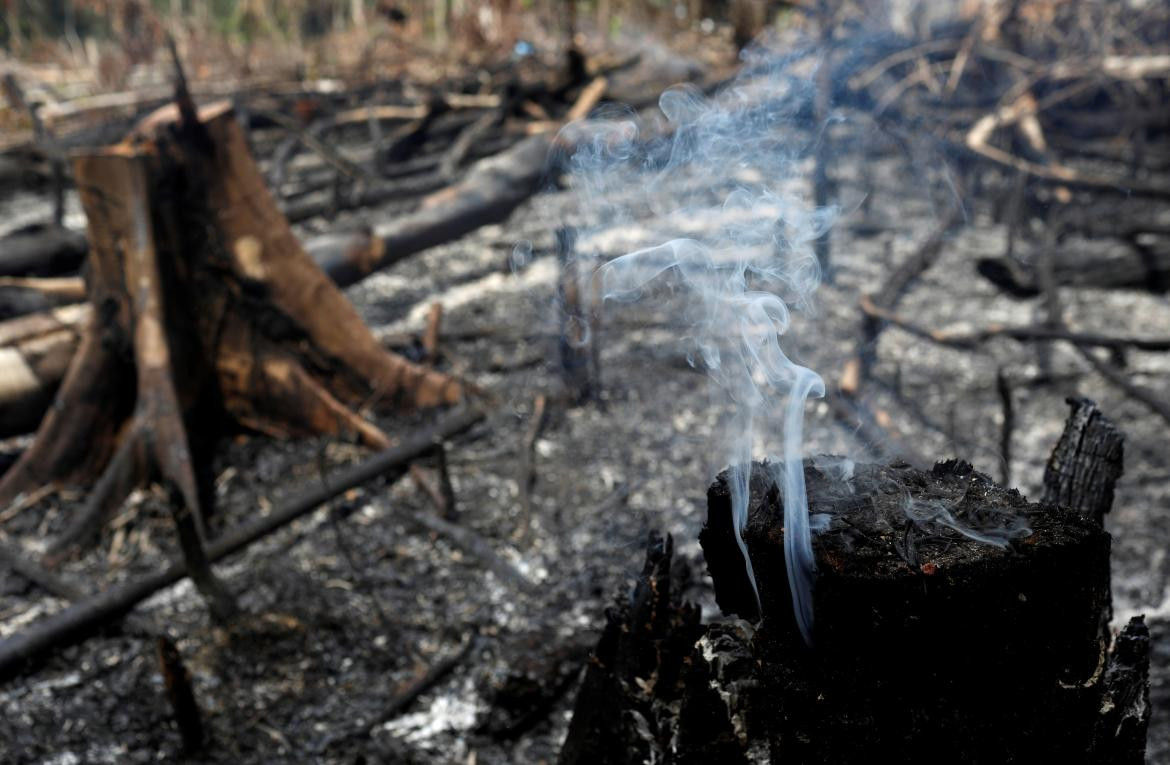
x=857 y=369
x=971 y=339
x=81 y=619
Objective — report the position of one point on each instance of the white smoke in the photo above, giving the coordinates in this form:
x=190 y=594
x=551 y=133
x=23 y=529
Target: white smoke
x=732 y=174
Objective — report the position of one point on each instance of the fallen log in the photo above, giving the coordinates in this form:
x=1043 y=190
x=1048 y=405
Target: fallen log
x=42 y=251
x=954 y=622
x=488 y=194
x=35 y=352
x=83 y=618
x=20 y=296
x=1135 y=268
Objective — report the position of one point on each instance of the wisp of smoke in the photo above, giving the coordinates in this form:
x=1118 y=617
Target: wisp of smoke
x=730 y=175
x=996 y=529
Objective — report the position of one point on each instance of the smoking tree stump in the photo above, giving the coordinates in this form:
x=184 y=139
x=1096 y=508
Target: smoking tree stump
x=929 y=646
x=208 y=316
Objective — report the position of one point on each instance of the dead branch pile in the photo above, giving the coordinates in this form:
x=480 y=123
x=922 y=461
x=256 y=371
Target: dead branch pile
x=1052 y=112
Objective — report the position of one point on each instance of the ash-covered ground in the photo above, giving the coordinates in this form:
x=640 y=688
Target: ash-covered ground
x=348 y=606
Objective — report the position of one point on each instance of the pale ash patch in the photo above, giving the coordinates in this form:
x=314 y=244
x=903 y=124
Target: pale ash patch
x=453 y=712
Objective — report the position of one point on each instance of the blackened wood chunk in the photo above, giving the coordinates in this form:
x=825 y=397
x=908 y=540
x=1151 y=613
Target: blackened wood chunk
x=725 y=563
x=1086 y=463
x=1124 y=714
x=722 y=689
x=636 y=671
x=954 y=622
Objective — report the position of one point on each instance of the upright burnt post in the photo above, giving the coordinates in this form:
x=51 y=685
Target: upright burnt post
x=580 y=321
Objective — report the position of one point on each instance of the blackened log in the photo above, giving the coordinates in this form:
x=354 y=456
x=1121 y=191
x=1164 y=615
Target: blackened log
x=488 y=194
x=310 y=206
x=1086 y=463
x=1141 y=268
x=42 y=251
x=20 y=296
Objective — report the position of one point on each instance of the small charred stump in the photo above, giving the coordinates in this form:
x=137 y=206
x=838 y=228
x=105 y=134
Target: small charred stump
x=635 y=671
x=208 y=316
x=954 y=622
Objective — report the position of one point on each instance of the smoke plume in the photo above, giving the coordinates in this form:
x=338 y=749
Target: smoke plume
x=728 y=186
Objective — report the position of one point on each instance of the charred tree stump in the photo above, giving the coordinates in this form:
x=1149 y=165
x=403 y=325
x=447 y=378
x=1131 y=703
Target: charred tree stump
x=208 y=316
x=931 y=643
x=954 y=622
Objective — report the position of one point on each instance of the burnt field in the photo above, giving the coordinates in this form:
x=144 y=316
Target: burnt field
x=432 y=545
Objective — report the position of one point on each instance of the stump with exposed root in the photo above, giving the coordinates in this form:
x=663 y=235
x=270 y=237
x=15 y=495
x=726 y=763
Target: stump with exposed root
x=208 y=317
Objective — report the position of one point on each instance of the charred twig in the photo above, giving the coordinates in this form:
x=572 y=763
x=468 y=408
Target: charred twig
x=430 y=339
x=411 y=136
x=857 y=369
x=46 y=143
x=335 y=518
x=471 y=542
x=1152 y=400
x=590 y=95
x=1003 y=387
x=873 y=429
x=455 y=157
x=180 y=694
x=436 y=673
x=51 y=583
x=527 y=477
x=579 y=320
x=439 y=491
x=429 y=487
x=450 y=509
x=966 y=340
x=322 y=149
x=328 y=204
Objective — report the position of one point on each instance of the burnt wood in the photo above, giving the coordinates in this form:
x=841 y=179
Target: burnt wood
x=954 y=622
x=1086 y=463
